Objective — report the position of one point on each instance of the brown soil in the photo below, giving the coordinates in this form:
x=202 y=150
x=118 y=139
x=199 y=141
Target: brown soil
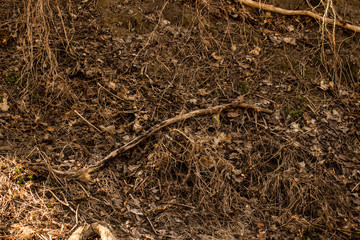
x=81 y=78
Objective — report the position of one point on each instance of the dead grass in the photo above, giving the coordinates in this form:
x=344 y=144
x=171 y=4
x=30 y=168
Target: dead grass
x=27 y=209
x=237 y=174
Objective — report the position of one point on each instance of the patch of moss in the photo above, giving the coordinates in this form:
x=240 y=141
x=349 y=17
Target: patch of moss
x=297 y=109
x=243 y=88
x=296 y=112
x=13 y=78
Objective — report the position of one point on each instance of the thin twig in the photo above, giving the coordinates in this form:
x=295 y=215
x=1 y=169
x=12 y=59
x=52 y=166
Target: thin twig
x=87 y=121
x=355 y=187
x=62 y=202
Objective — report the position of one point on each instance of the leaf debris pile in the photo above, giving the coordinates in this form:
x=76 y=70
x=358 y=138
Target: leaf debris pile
x=83 y=78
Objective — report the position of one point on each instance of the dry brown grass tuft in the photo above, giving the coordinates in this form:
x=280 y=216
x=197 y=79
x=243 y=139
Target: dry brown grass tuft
x=45 y=45
x=38 y=43
x=27 y=210
x=285 y=186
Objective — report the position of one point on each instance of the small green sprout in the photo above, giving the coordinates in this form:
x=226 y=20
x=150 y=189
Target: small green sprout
x=35 y=96
x=21 y=176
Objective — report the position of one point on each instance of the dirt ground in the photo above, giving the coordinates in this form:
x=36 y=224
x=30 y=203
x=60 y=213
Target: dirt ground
x=82 y=78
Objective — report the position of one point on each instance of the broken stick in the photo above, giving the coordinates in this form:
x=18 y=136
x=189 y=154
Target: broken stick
x=272 y=8
x=84 y=173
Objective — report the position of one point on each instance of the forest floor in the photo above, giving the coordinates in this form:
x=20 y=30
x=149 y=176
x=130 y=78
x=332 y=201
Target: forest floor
x=82 y=78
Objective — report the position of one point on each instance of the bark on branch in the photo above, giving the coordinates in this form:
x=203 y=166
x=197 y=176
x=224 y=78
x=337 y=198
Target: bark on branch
x=316 y=16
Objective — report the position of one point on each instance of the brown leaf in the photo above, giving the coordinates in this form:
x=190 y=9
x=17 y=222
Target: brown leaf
x=255 y=51
x=217 y=58
x=4 y=104
x=289 y=40
x=207 y=43
x=203 y=92
x=50 y=129
x=233 y=114
x=260 y=224
x=261 y=235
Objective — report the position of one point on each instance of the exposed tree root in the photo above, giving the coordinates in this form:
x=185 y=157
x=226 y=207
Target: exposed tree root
x=316 y=16
x=84 y=232
x=84 y=173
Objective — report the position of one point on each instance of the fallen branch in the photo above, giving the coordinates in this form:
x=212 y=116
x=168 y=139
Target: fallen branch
x=272 y=8
x=84 y=173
